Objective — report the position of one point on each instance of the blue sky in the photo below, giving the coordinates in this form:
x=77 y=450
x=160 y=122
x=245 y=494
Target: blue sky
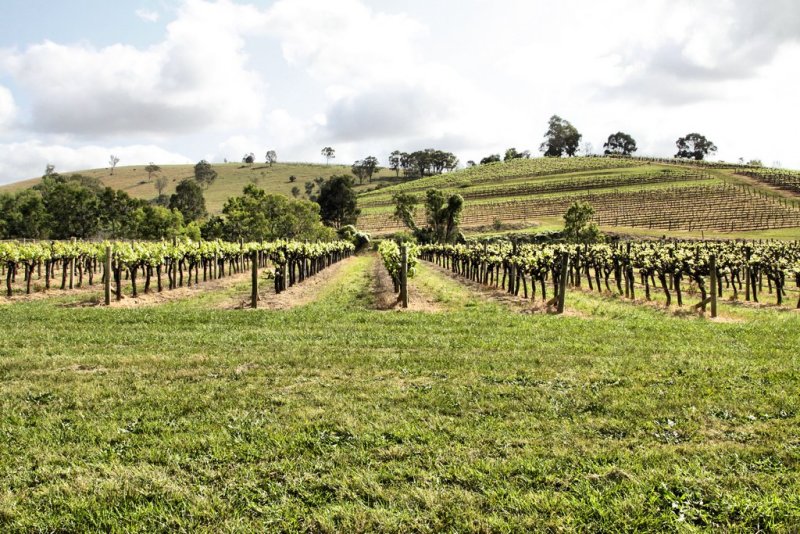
x=175 y=81
x=102 y=23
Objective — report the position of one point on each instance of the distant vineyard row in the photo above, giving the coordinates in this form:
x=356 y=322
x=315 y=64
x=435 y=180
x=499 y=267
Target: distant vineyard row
x=686 y=162
x=546 y=187
x=494 y=172
x=724 y=208
x=779 y=178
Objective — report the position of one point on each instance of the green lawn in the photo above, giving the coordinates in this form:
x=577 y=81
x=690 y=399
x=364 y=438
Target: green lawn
x=336 y=417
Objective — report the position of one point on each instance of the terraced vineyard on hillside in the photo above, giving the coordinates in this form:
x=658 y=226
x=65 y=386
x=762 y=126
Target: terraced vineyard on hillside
x=778 y=178
x=505 y=171
x=627 y=193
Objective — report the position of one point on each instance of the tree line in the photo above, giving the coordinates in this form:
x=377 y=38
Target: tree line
x=257 y=215
x=417 y=164
x=562 y=138
x=62 y=207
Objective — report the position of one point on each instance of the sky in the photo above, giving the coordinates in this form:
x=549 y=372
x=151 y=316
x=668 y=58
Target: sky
x=176 y=81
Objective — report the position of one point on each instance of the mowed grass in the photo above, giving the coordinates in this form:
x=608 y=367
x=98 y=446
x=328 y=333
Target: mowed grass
x=335 y=417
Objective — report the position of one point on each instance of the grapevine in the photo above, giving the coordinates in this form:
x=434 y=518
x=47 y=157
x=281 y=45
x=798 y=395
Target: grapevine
x=663 y=264
x=181 y=261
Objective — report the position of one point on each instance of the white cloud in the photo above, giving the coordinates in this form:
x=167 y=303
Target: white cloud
x=196 y=78
x=387 y=112
x=8 y=110
x=698 y=49
x=474 y=80
x=380 y=80
x=147 y=15
x=28 y=159
x=344 y=41
x=290 y=136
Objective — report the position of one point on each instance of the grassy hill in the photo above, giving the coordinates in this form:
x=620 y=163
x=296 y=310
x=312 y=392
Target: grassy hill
x=631 y=196
x=232 y=178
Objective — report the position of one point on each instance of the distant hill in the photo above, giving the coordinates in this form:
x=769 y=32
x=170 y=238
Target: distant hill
x=631 y=196
x=638 y=196
x=232 y=178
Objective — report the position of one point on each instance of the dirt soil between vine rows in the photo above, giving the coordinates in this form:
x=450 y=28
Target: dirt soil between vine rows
x=386 y=299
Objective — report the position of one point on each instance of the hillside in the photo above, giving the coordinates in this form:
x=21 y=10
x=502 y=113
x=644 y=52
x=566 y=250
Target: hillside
x=232 y=178
x=629 y=195
x=633 y=196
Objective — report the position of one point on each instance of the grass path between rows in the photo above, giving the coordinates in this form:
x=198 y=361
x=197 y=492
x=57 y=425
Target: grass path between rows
x=335 y=417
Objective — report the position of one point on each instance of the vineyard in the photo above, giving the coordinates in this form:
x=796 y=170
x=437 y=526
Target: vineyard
x=667 y=196
x=711 y=267
x=721 y=207
x=338 y=413
x=76 y=263
x=495 y=385
x=495 y=172
x=705 y=164
x=778 y=178
x=554 y=185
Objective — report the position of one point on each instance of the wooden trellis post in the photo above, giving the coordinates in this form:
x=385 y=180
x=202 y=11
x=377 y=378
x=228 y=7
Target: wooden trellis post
x=254 y=292
x=712 y=264
x=107 y=275
x=404 y=275
x=562 y=283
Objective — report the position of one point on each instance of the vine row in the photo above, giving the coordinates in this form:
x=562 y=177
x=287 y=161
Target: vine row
x=737 y=267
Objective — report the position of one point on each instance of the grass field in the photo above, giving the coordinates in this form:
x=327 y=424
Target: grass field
x=333 y=416
x=232 y=178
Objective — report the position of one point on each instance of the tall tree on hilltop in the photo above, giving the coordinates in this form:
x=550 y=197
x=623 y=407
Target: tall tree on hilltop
x=512 y=153
x=370 y=164
x=396 y=161
x=428 y=162
x=112 y=161
x=329 y=154
x=151 y=169
x=561 y=138
x=694 y=146
x=365 y=168
x=620 y=144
